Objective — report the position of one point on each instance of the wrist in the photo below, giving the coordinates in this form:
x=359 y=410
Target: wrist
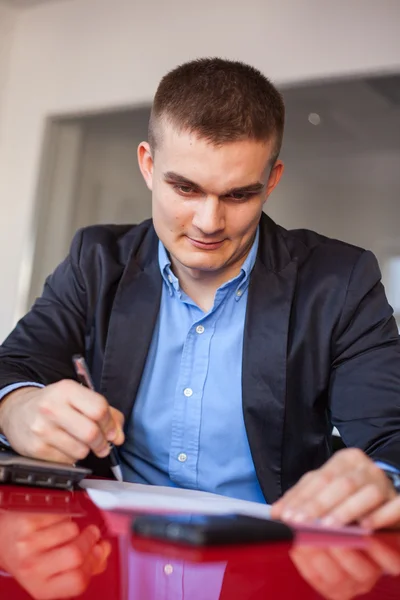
x=8 y=402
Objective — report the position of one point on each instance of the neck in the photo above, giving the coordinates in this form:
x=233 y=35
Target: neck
x=202 y=289
x=201 y=286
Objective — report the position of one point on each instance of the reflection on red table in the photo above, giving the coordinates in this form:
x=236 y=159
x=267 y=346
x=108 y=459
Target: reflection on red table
x=56 y=544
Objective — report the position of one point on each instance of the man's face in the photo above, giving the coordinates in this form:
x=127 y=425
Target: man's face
x=207 y=200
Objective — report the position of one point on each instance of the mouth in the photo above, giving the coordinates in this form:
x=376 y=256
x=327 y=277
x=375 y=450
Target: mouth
x=206 y=245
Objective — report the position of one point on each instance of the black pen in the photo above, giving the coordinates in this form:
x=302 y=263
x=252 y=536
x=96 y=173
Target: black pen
x=83 y=376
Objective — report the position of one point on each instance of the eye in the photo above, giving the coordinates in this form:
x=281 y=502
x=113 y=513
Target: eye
x=240 y=196
x=184 y=189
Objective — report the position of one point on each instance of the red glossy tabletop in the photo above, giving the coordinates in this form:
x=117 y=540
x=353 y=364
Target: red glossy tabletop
x=57 y=544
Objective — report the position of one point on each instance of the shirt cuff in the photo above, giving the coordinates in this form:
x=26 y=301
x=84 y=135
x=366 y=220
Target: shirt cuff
x=11 y=388
x=385 y=467
x=15 y=386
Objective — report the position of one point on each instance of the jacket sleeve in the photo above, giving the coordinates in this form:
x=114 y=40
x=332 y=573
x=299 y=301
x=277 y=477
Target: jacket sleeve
x=365 y=376
x=40 y=347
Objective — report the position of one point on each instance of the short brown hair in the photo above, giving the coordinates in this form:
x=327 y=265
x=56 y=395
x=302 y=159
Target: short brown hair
x=221 y=101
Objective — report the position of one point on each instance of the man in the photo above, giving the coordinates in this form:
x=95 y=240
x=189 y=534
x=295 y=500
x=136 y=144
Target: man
x=228 y=345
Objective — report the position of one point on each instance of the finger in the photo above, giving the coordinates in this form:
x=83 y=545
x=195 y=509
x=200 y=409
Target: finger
x=387 y=515
x=66 y=557
x=315 y=481
x=96 y=408
x=324 y=571
x=39 y=542
x=330 y=496
x=357 y=565
x=67 y=444
x=74 y=582
x=361 y=503
x=97 y=559
x=42 y=451
x=320 y=563
x=385 y=556
x=301 y=559
x=77 y=425
x=87 y=402
x=26 y=525
x=310 y=484
x=119 y=420
x=343 y=463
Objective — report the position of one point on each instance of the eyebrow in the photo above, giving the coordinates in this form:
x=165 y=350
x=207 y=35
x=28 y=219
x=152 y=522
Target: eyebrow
x=251 y=188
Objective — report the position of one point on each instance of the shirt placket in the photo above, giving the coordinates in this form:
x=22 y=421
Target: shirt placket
x=186 y=420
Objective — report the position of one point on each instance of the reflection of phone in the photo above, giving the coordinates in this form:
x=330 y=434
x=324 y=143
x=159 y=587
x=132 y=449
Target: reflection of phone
x=16 y=469
x=210 y=530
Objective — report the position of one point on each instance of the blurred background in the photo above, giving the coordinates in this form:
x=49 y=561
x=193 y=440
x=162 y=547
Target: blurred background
x=76 y=82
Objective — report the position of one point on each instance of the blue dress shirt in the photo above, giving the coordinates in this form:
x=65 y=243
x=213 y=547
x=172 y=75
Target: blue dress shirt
x=187 y=428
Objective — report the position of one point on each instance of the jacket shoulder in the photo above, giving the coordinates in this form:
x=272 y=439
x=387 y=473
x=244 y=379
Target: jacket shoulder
x=114 y=242
x=310 y=249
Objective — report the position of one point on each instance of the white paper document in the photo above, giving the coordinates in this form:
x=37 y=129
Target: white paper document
x=136 y=497
x=113 y=495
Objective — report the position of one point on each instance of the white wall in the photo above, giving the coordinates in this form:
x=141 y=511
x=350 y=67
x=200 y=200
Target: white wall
x=7 y=24
x=92 y=54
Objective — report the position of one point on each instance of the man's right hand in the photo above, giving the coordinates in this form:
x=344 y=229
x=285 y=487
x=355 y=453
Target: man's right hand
x=61 y=422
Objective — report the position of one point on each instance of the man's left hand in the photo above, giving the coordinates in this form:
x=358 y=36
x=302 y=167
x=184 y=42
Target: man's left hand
x=349 y=488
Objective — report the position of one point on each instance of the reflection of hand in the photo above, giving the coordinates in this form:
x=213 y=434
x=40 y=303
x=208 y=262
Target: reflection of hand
x=48 y=555
x=343 y=573
x=349 y=487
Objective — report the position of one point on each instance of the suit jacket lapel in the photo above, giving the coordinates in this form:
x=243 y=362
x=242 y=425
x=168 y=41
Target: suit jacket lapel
x=265 y=343
x=131 y=326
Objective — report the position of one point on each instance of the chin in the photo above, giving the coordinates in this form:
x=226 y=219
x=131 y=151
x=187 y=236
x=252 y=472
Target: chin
x=199 y=264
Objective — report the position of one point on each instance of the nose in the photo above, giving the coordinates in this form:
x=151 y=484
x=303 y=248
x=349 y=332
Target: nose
x=209 y=216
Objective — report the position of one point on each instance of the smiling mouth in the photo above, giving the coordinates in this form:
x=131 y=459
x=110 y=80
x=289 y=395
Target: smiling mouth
x=206 y=245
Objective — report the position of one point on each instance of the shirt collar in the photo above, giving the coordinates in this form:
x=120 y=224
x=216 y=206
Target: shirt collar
x=243 y=278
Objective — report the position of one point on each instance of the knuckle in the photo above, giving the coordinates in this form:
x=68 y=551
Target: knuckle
x=45 y=404
x=307 y=477
x=38 y=448
x=38 y=427
x=100 y=410
x=117 y=415
x=78 y=581
x=92 y=434
x=355 y=454
x=75 y=557
x=72 y=528
x=81 y=452
x=318 y=505
x=376 y=493
x=65 y=386
x=325 y=476
x=351 y=482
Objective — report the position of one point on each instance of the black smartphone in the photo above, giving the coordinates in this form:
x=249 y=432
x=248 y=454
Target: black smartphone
x=210 y=530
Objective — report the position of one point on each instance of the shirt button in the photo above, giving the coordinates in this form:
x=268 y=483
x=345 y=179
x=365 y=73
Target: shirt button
x=170 y=278
x=239 y=293
x=182 y=457
x=168 y=569
x=200 y=329
x=188 y=392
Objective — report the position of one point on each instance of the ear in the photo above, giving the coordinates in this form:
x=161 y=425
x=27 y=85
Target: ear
x=146 y=163
x=274 y=177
